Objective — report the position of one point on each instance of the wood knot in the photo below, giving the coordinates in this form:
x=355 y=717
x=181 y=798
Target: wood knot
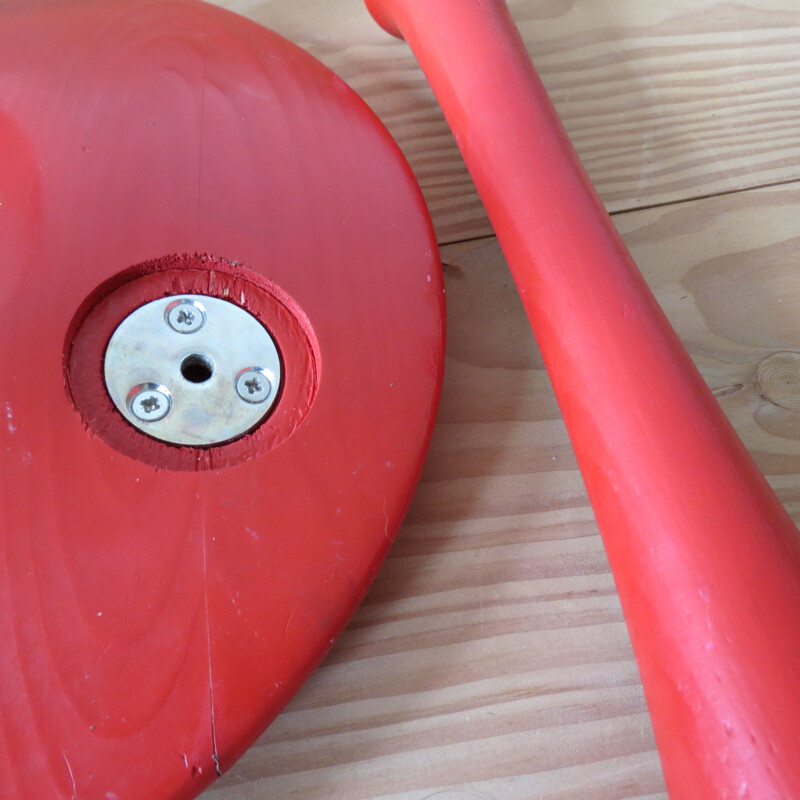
x=778 y=377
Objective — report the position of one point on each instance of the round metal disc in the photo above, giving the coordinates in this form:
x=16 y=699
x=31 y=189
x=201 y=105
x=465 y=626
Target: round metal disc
x=215 y=365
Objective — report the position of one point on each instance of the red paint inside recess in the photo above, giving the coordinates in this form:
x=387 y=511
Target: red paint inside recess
x=111 y=303
x=705 y=558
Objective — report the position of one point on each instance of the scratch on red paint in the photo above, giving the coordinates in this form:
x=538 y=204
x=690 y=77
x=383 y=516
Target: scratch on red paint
x=214 y=753
x=288 y=620
x=71 y=777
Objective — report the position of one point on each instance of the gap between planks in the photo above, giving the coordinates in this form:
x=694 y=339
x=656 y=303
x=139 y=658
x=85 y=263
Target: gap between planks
x=633 y=209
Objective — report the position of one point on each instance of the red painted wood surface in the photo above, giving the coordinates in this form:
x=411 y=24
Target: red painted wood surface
x=705 y=558
x=154 y=620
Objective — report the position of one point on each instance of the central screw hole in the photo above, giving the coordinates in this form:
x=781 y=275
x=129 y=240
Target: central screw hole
x=196 y=368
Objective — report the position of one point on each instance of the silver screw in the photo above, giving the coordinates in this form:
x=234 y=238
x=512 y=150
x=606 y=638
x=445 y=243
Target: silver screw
x=185 y=315
x=149 y=402
x=254 y=384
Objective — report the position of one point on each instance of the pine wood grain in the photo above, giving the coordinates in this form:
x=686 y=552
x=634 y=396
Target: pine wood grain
x=490 y=659
x=663 y=101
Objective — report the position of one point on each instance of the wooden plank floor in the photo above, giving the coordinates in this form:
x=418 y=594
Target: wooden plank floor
x=490 y=659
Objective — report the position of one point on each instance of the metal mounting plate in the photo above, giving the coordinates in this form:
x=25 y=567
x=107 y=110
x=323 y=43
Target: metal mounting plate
x=211 y=364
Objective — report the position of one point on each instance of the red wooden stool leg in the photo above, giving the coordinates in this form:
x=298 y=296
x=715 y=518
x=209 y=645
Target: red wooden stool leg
x=705 y=557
